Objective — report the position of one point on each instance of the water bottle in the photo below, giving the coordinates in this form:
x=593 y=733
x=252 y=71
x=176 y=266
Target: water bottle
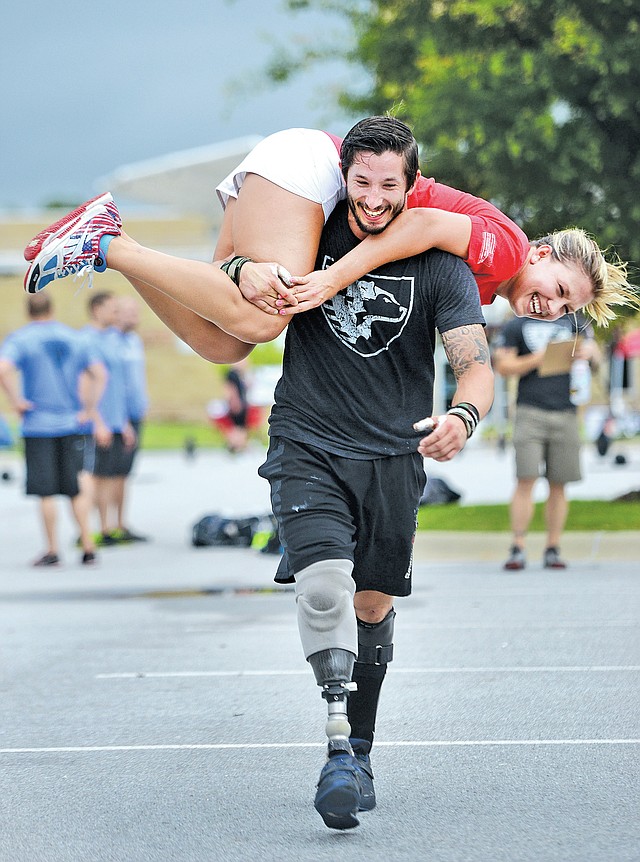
x=580 y=382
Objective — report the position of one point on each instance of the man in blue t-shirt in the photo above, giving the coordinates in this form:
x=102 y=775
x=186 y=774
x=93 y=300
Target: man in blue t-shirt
x=347 y=442
x=42 y=366
x=132 y=351
x=114 y=435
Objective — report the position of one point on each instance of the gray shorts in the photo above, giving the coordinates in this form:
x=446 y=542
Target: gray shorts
x=547 y=443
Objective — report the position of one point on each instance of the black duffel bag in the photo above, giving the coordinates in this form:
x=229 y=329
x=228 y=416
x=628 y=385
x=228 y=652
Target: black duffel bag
x=214 y=530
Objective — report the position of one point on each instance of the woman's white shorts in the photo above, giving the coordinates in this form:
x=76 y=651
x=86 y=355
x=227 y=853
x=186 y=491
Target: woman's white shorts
x=302 y=161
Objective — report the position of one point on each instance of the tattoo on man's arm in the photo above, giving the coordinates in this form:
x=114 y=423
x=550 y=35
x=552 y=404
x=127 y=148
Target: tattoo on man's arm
x=466 y=346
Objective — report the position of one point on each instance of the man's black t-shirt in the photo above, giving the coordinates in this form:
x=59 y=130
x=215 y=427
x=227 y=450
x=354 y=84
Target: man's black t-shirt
x=530 y=336
x=359 y=370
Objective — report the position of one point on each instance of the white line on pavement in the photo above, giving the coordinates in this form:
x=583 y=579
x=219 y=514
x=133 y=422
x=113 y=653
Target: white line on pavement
x=633 y=668
x=223 y=746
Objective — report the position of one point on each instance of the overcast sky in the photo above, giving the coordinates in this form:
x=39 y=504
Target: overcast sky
x=88 y=86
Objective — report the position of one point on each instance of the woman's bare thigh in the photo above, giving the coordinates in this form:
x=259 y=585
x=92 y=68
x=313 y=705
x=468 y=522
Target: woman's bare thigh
x=272 y=224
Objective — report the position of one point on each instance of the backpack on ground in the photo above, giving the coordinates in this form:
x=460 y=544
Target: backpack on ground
x=215 y=531
x=438 y=493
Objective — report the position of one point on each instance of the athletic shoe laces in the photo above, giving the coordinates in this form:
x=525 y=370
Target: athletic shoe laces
x=83 y=271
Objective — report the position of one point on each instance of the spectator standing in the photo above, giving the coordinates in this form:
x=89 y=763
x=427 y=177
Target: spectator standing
x=114 y=436
x=132 y=347
x=546 y=434
x=236 y=424
x=41 y=366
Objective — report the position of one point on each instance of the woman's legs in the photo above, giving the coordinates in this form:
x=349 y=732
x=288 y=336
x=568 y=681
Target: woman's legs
x=203 y=336
x=266 y=223
x=196 y=286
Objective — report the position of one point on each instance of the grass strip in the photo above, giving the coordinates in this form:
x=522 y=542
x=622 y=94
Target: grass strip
x=584 y=516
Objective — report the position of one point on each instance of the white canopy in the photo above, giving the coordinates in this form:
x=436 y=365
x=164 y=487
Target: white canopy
x=185 y=180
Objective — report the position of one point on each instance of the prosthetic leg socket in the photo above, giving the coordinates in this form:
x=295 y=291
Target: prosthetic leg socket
x=329 y=636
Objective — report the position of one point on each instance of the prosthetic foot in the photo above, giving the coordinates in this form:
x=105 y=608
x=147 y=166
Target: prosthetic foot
x=338 y=795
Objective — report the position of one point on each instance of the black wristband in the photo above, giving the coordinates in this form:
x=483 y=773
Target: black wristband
x=467 y=417
x=471 y=407
x=233 y=267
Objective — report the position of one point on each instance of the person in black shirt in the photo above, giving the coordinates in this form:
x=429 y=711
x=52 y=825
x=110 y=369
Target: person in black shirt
x=347 y=443
x=546 y=434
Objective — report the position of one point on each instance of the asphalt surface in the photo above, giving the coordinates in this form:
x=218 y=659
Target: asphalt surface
x=158 y=707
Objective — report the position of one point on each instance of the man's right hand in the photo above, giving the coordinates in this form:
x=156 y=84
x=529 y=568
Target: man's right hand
x=311 y=291
x=23 y=406
x=102 y=434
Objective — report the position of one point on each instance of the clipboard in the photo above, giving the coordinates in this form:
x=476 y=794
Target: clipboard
x=558 y=358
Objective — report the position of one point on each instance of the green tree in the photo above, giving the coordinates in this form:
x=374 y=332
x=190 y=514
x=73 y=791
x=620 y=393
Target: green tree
x=534 y=104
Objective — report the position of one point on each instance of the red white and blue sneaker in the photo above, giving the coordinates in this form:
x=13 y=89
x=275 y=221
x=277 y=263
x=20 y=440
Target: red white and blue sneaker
x=69 y=220
x=71 y=246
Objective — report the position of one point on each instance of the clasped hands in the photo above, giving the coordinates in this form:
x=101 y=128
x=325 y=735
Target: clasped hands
x=271 y=288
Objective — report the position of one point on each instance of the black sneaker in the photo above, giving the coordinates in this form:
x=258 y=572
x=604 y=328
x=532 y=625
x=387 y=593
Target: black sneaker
x=88 y=558
x=552 y=560
x=105 y=540
x=125 y=535
x=47 y=560
x=517 y=560
x=338 y=796
x=362 y=763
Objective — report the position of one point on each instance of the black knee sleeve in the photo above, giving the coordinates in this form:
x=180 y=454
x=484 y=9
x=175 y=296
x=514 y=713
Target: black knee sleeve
x=375 y=640
x=375 y=651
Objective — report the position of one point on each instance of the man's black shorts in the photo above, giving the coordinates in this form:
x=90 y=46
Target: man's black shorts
x=130 y=454
x=53 y=464
x=114 y=460
x=329 y=507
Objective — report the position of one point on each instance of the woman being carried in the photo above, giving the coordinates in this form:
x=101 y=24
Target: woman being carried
x=276 y=204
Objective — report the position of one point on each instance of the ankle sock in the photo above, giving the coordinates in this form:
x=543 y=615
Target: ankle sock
x=105 y=242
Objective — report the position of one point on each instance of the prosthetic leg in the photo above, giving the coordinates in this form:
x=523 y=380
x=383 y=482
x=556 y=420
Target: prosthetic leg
x=328 y=632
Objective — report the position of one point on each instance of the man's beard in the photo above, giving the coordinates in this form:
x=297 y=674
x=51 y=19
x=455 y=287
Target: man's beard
x=372 y=230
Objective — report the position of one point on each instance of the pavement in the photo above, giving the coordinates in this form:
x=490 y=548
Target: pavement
x=157 y=707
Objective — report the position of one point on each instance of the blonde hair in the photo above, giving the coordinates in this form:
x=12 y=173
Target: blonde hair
x=608 y=277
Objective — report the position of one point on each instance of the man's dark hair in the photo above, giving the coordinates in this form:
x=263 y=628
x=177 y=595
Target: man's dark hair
x=379 y=135
x=39 y=305
x=98 y=299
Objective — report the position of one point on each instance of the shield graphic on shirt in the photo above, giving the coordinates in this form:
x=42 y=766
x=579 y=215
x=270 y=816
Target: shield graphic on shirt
x=371 y=313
